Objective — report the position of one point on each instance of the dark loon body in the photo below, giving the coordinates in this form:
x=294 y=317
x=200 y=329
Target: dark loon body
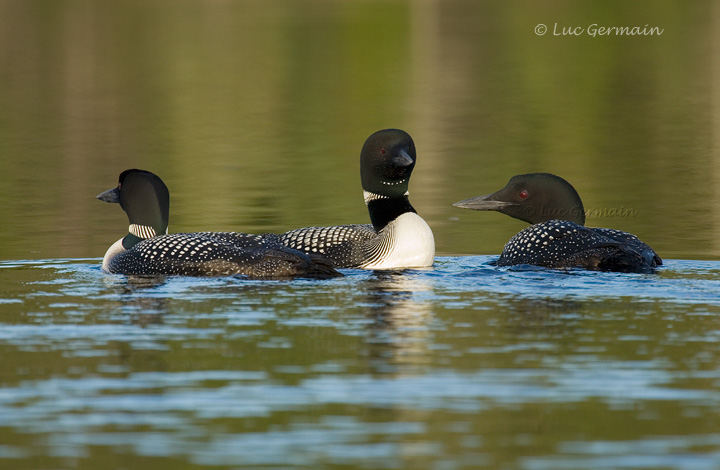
x=558 y=237
x=148 y=250
x=397 y=237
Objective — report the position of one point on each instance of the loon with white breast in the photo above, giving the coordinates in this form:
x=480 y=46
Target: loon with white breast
x=558 y=237
x=149 y=250
x=398 y=237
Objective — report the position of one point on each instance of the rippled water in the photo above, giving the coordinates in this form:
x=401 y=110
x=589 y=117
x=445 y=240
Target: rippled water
x=461 y=366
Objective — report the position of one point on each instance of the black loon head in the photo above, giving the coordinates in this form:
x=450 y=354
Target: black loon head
x=534 y=198
x=145 y=199
x=386 y=162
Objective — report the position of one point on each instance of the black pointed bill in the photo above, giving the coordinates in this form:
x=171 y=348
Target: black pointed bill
x=403 y=159
x=482 y=203
x=111 y=195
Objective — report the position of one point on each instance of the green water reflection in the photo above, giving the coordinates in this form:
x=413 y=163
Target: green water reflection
x=254 y=113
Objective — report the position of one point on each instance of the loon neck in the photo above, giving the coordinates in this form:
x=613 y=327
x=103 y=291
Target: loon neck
x=138 y=233
x=385 y=209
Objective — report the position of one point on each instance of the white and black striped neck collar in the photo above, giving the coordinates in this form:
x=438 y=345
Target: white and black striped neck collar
x=369 y=196
x=142 y=231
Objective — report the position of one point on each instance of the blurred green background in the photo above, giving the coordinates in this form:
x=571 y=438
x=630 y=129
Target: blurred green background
x=254 y=113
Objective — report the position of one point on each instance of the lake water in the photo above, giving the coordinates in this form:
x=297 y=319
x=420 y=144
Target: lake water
x=461 y=366
x=254 y=114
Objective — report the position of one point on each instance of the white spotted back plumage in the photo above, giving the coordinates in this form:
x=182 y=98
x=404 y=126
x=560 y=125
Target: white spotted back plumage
x=212 y=254
x=403 y=243
x=559 y=244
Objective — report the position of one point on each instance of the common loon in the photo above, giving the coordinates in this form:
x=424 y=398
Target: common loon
x=398 y=237
x=558 y=237
x=148 y=249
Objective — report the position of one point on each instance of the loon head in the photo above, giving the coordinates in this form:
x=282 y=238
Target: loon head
x=386 y=162
x=534 y=198
x=145 y=199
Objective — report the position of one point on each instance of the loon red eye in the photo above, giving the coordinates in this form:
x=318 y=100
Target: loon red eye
x=382 y=151
x=524 y=194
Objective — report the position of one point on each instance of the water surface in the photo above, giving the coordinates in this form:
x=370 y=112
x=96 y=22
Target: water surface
x=254 y=114
x=461 y=366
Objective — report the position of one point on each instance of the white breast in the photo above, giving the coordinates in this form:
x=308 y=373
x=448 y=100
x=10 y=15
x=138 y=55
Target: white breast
x=409 y=243
x=113 y=251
